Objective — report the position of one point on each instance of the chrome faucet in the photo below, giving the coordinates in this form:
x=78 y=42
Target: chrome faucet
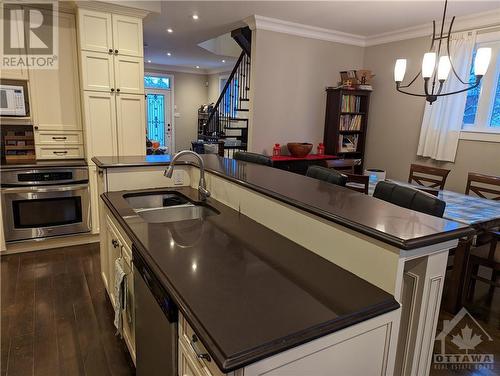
x=202 y=185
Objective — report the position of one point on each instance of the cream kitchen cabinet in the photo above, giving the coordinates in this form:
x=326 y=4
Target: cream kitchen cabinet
x=55 y=93
x=108 y=73
x=95 y=31
x=97 y=71
x=130 y=115
x=110 y=33
x=114 y=124
x=115 y=245
x=18 y=72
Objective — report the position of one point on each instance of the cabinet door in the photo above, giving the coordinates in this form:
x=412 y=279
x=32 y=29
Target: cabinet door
x=55 y=93
x=127 y=35
x=94 y=30
x=94 y=199
x=97 y=71
x=131 y=126
x=114 y=252
x=100 y=124
x=128 y=315
x=129 y=74
x=15 y=25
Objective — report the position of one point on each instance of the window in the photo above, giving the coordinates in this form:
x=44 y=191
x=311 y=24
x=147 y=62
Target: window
x=482 y=108
x=156 y=82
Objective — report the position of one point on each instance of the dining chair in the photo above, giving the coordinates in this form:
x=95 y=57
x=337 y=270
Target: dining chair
x=326 y=174
x=359 y=183
x=484 y=186
x=347 y=165
x=409 y=198
x=486 y=253
x=253 y=158
x=427 y=176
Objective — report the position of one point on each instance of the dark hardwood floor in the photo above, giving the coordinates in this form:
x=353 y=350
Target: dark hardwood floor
x=56 y=316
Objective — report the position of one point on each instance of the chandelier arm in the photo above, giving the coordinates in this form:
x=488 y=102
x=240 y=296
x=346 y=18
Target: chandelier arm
x=441 y=82
x=462 y=90
x=426 y=86
x=412 y=81
x=408 y=93
x=433 y=35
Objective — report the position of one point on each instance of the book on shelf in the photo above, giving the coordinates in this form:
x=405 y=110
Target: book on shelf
x=350 y=103
x=348 y=143
x=350 y=122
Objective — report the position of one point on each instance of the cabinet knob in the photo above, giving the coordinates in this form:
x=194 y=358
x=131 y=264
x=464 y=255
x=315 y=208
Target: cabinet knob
x=110 y=50
x=118 y=90
x=112 y=89
x=36 y=127
x=114 y=242
x=116 y=51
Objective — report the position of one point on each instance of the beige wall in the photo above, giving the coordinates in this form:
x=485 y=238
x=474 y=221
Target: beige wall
x=395 y=119
x=213 y=86
x=190 y=92
x=289 y=76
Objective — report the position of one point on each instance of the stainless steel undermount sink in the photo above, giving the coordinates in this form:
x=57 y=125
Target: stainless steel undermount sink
x=167 y=207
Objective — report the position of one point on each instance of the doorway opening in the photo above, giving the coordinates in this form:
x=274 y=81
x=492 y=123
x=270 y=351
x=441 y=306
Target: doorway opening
x=159 y=112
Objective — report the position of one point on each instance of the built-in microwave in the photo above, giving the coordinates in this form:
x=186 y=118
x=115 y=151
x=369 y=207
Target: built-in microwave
x=12 y=101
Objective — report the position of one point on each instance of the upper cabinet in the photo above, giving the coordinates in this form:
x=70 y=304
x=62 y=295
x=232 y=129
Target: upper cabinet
x=55 y=94
x=111 y=33
x=15 y=27
x=95 y=31
x=127 y=36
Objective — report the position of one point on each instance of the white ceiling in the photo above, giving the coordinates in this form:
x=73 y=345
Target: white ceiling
x=363 y=18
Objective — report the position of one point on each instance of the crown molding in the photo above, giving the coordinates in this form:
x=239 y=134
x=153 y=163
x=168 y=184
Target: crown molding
x=301 y=30
x=469 y=22
x=174 y=68
x=472 y=21
x=104 y=6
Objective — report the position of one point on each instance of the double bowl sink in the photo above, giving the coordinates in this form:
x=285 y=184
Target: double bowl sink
x=164 y=207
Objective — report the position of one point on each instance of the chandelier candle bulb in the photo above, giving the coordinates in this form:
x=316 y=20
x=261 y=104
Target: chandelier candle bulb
x=428 y=64
x=444 y=67
x=483 y=56
x=399 y=70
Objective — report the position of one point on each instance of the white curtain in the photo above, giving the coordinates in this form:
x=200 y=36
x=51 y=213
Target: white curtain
x=442 y=120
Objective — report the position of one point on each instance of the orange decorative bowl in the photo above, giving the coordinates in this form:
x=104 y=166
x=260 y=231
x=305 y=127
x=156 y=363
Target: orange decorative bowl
x=299 y=149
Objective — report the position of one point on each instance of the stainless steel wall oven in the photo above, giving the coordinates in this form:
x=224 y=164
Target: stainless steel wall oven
x=40 y=203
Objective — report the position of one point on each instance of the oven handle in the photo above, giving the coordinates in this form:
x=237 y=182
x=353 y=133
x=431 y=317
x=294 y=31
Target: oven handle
x=64 y=188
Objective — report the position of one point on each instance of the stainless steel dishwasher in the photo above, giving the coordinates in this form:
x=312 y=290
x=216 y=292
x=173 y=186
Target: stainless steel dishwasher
x=156 y=319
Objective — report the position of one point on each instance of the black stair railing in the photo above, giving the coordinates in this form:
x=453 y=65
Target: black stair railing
x=229 y=103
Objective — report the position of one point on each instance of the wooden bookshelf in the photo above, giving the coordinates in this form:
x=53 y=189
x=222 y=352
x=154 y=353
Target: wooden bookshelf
x=346 y=120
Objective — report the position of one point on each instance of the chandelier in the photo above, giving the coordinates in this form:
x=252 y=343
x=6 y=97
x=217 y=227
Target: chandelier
x=435 y=75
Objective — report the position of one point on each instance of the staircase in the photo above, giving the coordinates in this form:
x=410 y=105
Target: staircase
x=228 y=121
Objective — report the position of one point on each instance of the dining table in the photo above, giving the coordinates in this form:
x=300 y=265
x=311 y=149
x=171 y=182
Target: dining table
x=480 y=214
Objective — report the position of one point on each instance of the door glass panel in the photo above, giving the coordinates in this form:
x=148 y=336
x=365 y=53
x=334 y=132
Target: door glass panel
x=156 y=118
x=47 y=212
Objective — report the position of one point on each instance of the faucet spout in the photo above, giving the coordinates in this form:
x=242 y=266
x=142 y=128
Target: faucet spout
x=203 y=193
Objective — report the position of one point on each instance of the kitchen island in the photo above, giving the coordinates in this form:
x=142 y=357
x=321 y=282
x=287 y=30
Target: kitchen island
x=395 y=249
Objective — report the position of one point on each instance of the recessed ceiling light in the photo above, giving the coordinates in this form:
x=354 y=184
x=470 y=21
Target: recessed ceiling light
x=169 y=30
x=195 y=17
x=223 y=61
x=149 y=61
x=197 y=67
x=169 y=54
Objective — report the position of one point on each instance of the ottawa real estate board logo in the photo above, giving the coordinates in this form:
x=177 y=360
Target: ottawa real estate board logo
x=461 y=345
x=29 y=35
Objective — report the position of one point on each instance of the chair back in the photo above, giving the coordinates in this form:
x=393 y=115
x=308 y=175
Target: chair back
x=327 y=174
x=358 y=183
x=409 y=198
x=427 y=176
x=343 y=164
x=253 y=158
x=484 y=186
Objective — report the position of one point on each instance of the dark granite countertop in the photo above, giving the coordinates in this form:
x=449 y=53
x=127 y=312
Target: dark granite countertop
x=247 y=291
x=397 y=226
